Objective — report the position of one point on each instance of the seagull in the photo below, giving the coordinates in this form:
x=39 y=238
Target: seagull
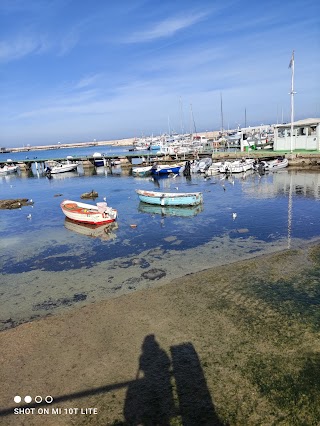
x=176 y=187
x=104 y=198
x=234 y=215
x=29 y=216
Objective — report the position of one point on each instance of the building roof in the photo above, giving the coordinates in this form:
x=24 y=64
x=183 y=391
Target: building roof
x=299 y=123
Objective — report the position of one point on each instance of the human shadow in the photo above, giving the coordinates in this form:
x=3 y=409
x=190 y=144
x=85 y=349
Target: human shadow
x=149 y=399
x=195 y=402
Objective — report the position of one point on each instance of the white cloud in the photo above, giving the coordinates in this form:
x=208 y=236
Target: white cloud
x=166 y=28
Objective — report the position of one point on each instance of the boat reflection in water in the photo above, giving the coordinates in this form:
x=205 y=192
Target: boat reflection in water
x=170 y=210
x=103 y=232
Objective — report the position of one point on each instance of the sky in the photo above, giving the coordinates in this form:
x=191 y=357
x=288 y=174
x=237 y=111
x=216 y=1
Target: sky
x=84 y=70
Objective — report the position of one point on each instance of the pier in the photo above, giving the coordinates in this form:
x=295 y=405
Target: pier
x=298 y=159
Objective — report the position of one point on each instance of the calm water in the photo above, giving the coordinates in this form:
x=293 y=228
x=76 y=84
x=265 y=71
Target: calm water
x=49 y=264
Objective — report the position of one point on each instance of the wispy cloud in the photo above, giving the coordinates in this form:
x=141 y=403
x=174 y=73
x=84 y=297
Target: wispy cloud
x=22 y=46
x=166 y=28
x=89 y=80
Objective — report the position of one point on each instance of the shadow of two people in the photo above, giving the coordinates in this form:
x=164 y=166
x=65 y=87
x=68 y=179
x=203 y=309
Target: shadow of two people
x=150 y=398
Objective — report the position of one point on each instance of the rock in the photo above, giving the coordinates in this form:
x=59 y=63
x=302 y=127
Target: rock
x=92 y=194
x=15 y=203
x=154 y=274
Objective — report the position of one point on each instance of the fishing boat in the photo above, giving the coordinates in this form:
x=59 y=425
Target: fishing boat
x=98 y=214
x=170 y=198
x=141 y=171
x=177 y=211
x=164 y=169
x=103 y=232
x=63 y=167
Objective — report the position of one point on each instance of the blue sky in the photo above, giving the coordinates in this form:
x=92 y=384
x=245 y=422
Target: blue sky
x=75 y=70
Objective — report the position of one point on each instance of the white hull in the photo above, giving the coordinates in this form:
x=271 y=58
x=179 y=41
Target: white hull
x=87 y=213
x=62 y=168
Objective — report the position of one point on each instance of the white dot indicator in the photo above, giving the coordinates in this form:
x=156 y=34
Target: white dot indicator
x=48 y=399
x=27 y=399
x=38 y=399
x=17 y=399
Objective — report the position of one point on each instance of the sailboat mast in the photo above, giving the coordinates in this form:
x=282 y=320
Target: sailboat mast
x=194 y=124
x=221 y=112
x=292 y=93
x=181 y=117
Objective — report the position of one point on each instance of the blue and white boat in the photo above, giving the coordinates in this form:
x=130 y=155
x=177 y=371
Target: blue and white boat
x=170 y=198
x=164 y=169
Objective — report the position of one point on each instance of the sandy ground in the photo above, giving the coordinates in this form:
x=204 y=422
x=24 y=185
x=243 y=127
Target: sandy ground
x=236 y=344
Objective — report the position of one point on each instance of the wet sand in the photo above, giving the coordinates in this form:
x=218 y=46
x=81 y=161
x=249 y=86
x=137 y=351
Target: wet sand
x=236 y=344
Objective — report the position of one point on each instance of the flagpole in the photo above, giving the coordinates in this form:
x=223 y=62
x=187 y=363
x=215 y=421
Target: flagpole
x=292 y=100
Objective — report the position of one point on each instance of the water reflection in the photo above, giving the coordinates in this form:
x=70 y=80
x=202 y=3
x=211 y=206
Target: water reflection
x=170 y=210
x=103 y=232
x=305 y=184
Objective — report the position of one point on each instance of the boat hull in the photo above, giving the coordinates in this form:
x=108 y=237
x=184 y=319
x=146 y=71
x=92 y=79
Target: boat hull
x=63 y=168
x=87 y=213
x=163 y=170
x=170 y=199
x=141 y=171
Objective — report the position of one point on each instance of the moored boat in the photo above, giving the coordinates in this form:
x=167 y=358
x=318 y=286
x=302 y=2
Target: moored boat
x=141 y=171
x=8 y=169
x=164 y=169
x=279 y=163
x=98 y=214
x=237 y=166
x=271 y=164
x=57 y=167
x=170 y=198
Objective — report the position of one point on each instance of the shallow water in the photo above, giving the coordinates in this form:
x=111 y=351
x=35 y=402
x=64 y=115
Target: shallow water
x=49 y=264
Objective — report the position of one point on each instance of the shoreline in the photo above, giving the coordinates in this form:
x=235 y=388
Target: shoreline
x=242 y=345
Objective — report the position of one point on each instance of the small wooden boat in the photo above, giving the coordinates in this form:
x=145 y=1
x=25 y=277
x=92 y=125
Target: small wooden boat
x=170 y=199
x=88 y=213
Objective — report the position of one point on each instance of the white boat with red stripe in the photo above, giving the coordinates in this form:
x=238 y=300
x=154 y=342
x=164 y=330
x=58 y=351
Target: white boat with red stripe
x=98 y=214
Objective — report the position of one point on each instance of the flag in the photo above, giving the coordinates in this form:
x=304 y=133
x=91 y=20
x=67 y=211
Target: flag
x=291 y=60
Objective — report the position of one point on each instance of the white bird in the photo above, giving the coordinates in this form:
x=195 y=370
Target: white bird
x=30 y=201
x=176 y=187
x=234 y=215
x=29 y=216
x=104 y=198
